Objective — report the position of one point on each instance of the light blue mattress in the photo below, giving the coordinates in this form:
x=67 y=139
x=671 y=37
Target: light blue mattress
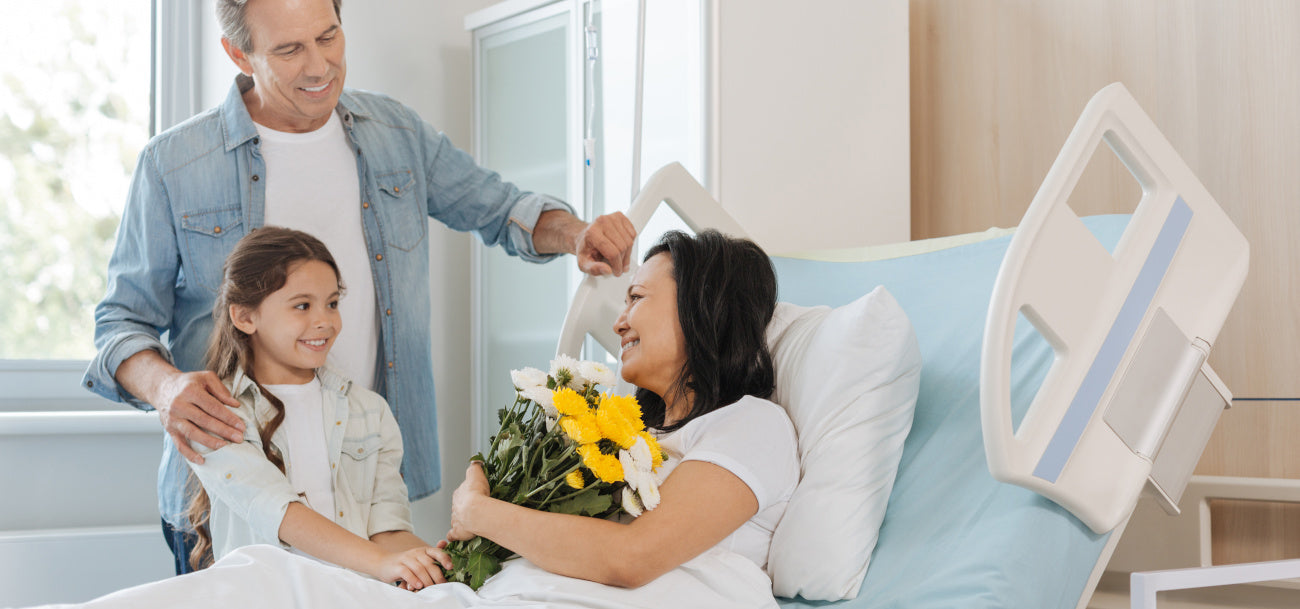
x=952 y=535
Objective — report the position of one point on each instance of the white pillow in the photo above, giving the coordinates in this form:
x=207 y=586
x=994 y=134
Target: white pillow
x=848 y=378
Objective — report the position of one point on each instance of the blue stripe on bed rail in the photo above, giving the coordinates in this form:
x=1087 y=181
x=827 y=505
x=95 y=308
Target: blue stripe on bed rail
x=1116 y=344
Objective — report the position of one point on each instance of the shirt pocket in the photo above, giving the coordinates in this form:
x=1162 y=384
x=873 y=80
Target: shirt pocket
x=403 y=221
x=207 y=236
x=360 y=465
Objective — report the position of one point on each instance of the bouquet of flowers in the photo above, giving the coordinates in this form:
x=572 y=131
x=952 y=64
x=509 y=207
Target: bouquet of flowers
x=563 y=447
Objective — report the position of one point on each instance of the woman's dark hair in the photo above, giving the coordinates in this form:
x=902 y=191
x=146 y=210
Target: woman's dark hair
x=726 y=293
x=259 y=265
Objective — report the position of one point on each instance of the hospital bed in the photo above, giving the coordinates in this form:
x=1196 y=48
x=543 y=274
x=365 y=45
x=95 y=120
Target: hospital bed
x=1063 y=370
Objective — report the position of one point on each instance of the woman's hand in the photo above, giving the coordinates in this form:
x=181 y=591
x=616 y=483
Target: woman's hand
x=414 y=568
x=473 y=489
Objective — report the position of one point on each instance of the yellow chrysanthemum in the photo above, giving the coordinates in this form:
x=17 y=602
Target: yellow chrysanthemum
x=628 y=404
x=583 y=428
x=614 y=425
x=656 y=452
x=569 y=403
x=588 y=451
x=606 y=467
x=574 y=479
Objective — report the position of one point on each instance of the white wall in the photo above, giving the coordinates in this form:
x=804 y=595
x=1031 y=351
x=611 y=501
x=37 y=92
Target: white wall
x=811 y=120
x=419 y=53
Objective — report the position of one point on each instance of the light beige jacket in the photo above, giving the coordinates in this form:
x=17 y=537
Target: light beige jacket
x=250 y=496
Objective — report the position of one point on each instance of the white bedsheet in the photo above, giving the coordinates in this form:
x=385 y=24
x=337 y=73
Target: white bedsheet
x=266 y=576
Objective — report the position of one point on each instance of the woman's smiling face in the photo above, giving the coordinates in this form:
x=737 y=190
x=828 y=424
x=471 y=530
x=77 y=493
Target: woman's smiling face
x=653 y=346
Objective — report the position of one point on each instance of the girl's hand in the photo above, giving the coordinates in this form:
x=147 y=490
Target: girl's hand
x=414 y=568
x=474 y=488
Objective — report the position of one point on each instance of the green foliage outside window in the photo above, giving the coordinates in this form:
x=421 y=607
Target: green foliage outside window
x=74 y=105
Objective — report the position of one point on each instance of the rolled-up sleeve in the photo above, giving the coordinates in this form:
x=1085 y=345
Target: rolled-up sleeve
x=250 y=486
x=467 y=197
x=141 y=279
x=390 y=508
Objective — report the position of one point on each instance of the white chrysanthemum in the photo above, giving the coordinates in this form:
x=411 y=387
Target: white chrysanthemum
x=528 y=378
x=649 y=494
x=597 y=373
x=637 y=471
x=640 y=454
x=629 y=468
x=566 y=363
x=542 y=397
x=631 y=504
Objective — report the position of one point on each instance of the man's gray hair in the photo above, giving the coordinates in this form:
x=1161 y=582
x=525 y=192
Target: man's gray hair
x=232 y=14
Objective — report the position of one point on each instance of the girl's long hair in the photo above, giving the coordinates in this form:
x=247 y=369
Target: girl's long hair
x=259 y=265
x=726 y=294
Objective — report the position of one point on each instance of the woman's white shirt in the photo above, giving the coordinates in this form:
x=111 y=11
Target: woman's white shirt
x=754 y=440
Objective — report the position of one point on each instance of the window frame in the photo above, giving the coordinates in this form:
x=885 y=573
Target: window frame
x=54 y=385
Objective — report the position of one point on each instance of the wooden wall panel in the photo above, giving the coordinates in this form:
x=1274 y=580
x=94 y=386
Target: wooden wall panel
x=998 y=84
x=996 y=87
x=1256 y=439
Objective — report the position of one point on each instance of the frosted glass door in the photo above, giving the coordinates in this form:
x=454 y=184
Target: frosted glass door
x=523 y=87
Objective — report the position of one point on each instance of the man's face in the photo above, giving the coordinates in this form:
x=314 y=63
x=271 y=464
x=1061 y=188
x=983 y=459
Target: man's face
x=296 y=63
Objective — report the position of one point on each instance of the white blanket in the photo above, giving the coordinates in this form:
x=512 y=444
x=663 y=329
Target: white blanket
x=265 y=576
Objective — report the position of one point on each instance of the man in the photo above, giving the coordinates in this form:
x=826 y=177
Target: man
x=290 y=146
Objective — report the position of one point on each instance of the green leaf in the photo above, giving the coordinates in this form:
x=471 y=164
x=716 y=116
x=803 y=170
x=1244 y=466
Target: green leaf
x=588 y=502
x=480 y=567
x=474 y=561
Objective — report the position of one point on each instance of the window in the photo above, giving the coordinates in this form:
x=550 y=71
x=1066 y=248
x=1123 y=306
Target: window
x=74 y=113
x=83 y=84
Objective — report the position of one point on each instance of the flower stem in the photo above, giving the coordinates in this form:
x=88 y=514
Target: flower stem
x=558 y=478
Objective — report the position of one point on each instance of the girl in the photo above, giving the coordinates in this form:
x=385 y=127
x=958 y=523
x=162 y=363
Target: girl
x=318 y=469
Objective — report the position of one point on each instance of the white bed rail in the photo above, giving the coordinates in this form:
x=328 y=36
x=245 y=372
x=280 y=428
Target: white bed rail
x=599 y=300
x=1131 y=330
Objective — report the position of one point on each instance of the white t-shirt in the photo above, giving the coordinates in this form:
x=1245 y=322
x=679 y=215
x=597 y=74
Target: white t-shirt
x=312 y=186
x=755 y=440
x=304 y=428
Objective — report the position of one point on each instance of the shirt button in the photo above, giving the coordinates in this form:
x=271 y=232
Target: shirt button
x=396 y=190
x=216 y=230
x=388 y=311
x=90 y=383
x=390 y=364
x=340 y=514
x=256 y=177
x=228 y=476
x=332 y=465
x=379 y=256
x=360 y=450
x=365 y=205
x=338 y=422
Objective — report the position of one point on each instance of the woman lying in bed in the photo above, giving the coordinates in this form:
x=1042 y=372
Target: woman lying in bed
x=693 y=342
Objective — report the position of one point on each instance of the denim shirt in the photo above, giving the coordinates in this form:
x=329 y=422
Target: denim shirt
x=198 y=188
x=250 y=495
